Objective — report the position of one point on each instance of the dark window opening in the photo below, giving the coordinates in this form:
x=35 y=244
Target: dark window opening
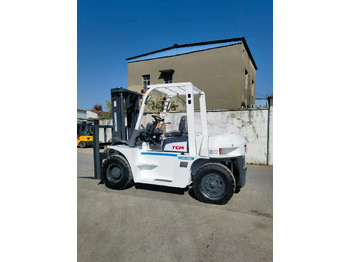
x=168 y=78
x=167 y=75
x=246 y=80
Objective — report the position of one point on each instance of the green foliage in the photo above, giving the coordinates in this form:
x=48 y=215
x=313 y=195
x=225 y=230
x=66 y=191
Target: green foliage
x=157 y=105
x=107 y=114
x=153 y=105
x=173 y=106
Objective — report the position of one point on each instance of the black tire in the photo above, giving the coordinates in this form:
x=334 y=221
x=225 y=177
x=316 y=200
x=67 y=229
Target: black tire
x=116 y=172
x=214 y=183
x=82 y=144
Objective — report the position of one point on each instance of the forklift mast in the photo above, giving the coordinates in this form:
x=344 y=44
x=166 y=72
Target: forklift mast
x=125 y=106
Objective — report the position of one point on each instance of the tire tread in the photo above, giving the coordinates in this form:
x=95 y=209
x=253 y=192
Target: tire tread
x=220 y=168
x=128 y=183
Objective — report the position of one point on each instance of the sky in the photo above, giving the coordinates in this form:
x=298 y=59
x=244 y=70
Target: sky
x=109 y=31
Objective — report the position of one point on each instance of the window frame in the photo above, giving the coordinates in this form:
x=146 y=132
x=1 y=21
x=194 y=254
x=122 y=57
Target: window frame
x=146 y=82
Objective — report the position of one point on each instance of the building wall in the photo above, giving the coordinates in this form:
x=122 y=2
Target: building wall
x=270 y=98
x=84 y=114
x=219 y=72
x=90 y=114
x=248 y=81
x=81 y=114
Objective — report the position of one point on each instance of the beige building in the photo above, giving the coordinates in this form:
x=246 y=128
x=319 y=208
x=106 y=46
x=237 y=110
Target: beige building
x=225 y=70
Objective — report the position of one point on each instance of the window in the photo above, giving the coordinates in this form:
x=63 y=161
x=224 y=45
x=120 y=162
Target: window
x=146 y=80
x=168 y=78
x=246 y=76
x=246 y=90
x=251 y=95
x=167 y=75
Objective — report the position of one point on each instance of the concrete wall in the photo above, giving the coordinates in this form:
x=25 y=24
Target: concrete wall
x=250 y=123
x=108 y=130
x=271 y=137
x=219 y=72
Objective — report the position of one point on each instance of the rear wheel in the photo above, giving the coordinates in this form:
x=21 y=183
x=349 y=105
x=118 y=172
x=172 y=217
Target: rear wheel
x=214 y=183
x=116 y=172
x=82 y=144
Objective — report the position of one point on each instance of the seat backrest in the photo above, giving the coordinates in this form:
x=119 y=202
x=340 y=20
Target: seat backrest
x=149 y=127
x=175 y=144
x=183 y=125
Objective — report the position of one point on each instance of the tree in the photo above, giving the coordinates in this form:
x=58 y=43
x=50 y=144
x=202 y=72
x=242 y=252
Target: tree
x=173 y=106
x=158 y=104
x=107 y=114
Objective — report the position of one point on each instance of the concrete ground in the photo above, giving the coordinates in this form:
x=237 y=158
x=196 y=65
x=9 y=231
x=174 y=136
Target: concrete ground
x=149 y=223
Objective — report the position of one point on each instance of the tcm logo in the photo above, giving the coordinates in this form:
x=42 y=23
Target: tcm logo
x=179 y=147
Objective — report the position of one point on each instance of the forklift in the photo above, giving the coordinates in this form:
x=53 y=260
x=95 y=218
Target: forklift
x=84 y=134
x=141 y=152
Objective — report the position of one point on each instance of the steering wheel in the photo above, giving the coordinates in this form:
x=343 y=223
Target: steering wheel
x=150 y=135
x=157 y=119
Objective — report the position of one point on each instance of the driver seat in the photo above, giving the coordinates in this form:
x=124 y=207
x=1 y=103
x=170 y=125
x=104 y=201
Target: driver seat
x=182 y=129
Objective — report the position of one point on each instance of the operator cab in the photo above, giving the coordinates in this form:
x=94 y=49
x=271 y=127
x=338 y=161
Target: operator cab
x=161 y=135
x=184 y=132
x=84 y=129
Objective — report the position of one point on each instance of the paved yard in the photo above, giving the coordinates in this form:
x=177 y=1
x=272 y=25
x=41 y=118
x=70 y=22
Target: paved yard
x=150 y=223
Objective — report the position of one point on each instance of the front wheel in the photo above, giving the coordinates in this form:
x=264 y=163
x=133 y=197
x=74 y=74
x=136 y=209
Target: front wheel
x=214 y=183
x=116 y=172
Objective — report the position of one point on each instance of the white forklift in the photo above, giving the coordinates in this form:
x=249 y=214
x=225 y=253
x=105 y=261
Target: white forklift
x=213 y=164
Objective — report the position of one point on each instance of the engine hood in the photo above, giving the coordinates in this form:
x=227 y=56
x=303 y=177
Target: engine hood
x=226 y=145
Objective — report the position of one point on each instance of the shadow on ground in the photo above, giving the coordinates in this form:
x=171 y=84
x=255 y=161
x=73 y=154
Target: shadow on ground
x=165 y=189
x=154 y=188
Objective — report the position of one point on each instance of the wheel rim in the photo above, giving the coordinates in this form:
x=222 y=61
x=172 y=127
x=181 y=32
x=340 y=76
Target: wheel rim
x=213 y=185
x=114 y=173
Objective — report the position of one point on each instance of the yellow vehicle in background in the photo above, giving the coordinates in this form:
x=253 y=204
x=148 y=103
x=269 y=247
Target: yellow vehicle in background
x=84 y=135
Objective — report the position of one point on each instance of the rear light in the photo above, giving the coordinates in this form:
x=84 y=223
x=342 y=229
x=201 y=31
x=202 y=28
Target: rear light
x=143 y=91
x=220 y=151
x=245 y=148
